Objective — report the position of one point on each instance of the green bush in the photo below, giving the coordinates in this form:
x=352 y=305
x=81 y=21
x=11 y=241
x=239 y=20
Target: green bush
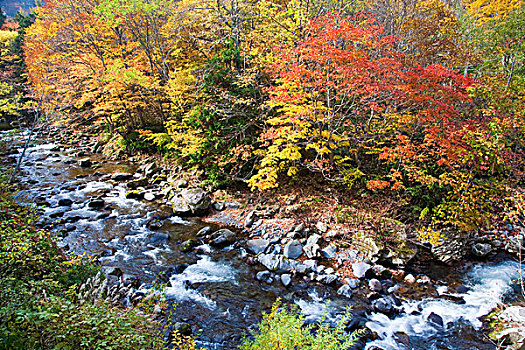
x=38 y=304
x=285 y=330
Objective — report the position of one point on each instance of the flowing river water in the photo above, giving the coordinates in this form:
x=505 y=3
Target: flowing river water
x=216 y=292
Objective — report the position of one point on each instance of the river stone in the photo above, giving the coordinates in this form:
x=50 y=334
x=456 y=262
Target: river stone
x=453 y=245
x=321 y=226
x=263 y=276
x=222 y=237
x=402 y=338
x=375 y=285
x=345 y=291
x=298 y=267
x=191 y=201
x=96 y=203
x=250 y=218
x=134 y=194
x=330 y=251
x=270 y=261
x=515 y=244
x=258 y=245
x=85 y=163
x=149 y=196
x=360 y=269
x=204 y=231
x=188 y=245
x=326 y=279
x=386 y=305
x=286 y=279
x=293 y=249
x=311 y=264
x=352 y=282
x=158 y=237
x=311 y=249
x=121 y=176
x=134 y=184
x=481 y=249
x=435 y=318
x=219 y=206
x=65 y=202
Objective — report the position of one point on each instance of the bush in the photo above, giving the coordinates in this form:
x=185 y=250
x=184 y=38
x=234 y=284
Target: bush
x=285 y=330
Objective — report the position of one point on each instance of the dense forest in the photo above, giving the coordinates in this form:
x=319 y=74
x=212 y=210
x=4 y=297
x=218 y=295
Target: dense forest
x=418 y=104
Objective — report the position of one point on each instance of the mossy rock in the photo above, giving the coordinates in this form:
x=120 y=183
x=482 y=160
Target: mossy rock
x=135 y=194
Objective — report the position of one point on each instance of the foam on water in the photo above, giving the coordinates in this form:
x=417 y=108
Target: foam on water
x=488 y=286
x=204 y=271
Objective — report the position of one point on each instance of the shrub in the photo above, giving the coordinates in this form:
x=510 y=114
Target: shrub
x=285 y=330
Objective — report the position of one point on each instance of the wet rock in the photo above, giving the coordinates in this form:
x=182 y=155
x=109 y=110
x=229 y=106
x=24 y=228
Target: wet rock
x=462 y=289
x=352 y=282
x=182 y=328
x=263 y=276
x=515 y=244
x=286 y=279
x=159 y=179
x=85 y=163
x=402 y=338
x=154 y=224
x=435 y=318
x=57 y=214
x=222 y=237
x=360 y=269
x=299 y=228
x=345 y=291
x=293 y=249
x=113 y=271
x=375 y=285
x=183 y=183
x=65 y=202
x=204 y=231
x=250 y=218
x=386 y=305
x=149 y=196
x=134 y=194
x=326 y=279
x=96 y=203
x=134 y=184
x=188 y=245
x=481 y=249
x=121 y=176
x=257 y=246
x=330 y=251
x=150 y=169
x=158 y=237
x=191 y=201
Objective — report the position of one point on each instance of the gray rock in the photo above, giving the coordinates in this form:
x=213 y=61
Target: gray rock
x=284 y=264
x=515 y=244
x=270 y=261
x=298 y=267
x=326 y=279
x=481 y=249
x=293 y=249
x=386 y=305
x=263 y=276
x=121 y=176
x=258 y=245
x=321 y=226
x=311 y=265
x=375 y=285
x=204 y=231
x=149 y=196
x=299 y=228
x=312 y=249
x=192 y=201
x=352 y=282
x=218 y=206
x=330 y=251
x=183 y=183
x=360 y=269
x=151 y=169
x=222 y=237
x=250 y=218
x=345 y=291
x=435 y=318
x=286 y=279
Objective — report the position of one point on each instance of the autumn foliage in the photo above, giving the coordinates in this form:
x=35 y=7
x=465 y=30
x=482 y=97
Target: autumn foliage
x=417 y=99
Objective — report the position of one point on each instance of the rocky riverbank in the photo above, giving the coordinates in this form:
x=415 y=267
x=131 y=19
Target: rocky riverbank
x=286 y=250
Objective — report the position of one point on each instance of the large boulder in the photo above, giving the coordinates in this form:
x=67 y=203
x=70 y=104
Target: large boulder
x=452 y=246
x=193 y=201
x=366 y=244
x=258 y=245
x=293 y=249
x=222 y=238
